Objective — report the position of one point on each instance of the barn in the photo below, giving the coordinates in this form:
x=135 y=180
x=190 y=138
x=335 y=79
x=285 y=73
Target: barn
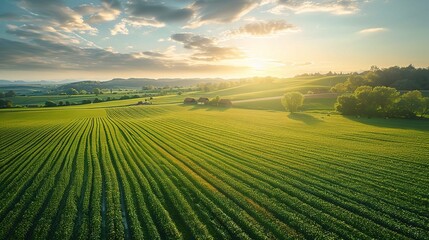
x=189 y=101
x=203 y=100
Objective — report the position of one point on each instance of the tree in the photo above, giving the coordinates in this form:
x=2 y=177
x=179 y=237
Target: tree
x=10 y=93
x=83 y=92
x=347 y=105
x=149 y=87
x=72 y=91
x=339 y=88
x=365 y=101
x=384 y=99
x=97 y=91
x=5 y=103
x=354 y=81
x=2 y=95
x=50 y=104
x=214 y=101
x=97 y=100
x=425 y=108
x=410 y=104
x=292 y=101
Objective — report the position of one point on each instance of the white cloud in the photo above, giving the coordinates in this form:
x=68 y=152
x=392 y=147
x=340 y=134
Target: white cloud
x=43 y=55
x=372 y=30
x=220 y=11
x=261 y=28
x=56 y=14
x=338 y=7
x=120 y=28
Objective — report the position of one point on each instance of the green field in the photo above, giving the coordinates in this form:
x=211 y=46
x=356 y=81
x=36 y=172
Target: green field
x=170 y=171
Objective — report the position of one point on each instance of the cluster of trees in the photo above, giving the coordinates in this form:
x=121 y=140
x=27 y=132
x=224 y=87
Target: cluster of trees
x=213 y=86
x=73 y=91
x=214 y=101
x=6 y=103
x=67 y=103
x=383 y=101
x=7 y=94
x=125 y=97
x=317 y=74
x=292 y=101
x=402 y=78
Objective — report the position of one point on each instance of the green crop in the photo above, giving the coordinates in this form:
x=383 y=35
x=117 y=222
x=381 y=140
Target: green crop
x=184 y=172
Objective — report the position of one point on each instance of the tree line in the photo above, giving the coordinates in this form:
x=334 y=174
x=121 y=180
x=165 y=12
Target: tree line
x=401 y=78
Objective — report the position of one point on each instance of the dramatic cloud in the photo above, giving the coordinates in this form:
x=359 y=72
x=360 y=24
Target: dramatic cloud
x=41 y=32
x=158 y=11
x=44 y=55
x=107 y=11
x=372 y=30
x=150 y=14
x=332 y=6
x=220 y=11
x=56 y=14
x=205 y=49
x=260 y=28
x=137 y=35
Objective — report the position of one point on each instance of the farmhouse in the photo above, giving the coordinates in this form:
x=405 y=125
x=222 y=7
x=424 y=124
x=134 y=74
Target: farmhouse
x=225 y=103
x=189 y=101
x=203 y=100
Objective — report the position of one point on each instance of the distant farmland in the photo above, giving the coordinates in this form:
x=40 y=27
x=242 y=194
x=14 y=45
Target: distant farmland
x=176 y=172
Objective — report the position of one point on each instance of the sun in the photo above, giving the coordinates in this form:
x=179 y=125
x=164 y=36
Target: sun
x=257 y=64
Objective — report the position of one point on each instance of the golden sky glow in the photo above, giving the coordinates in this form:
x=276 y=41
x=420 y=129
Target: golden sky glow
x=206 y=38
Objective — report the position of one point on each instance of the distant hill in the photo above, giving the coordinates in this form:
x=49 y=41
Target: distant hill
x=136 y=83
x=32 y=83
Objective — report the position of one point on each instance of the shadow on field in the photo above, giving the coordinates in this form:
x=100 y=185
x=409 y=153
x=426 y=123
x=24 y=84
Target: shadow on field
x=305 y=118
x=413 y=124
x=207 y=108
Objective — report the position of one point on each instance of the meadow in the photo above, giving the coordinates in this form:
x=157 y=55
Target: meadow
x=170 y=171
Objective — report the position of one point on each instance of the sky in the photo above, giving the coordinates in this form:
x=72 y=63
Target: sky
x=105 y=39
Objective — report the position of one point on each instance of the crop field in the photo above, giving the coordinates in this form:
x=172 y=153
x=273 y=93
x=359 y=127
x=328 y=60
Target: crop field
x=183 y=172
